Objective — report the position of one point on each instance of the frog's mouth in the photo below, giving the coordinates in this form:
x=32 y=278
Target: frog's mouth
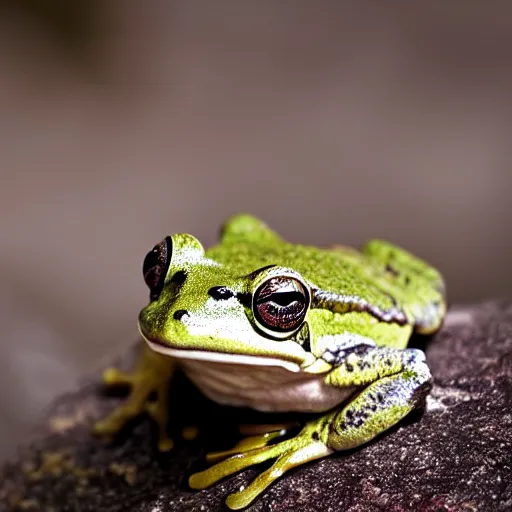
x=220 y=357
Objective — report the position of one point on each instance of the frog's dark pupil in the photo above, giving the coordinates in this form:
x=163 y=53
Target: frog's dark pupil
x=284 y=298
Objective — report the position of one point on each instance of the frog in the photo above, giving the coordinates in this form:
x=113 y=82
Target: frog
x=256 y=321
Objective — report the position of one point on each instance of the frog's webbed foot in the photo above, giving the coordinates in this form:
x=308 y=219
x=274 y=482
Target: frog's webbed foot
x=308 y=445
x=150 y=378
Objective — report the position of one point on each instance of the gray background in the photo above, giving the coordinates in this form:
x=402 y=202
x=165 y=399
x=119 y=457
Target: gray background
x=333 y=121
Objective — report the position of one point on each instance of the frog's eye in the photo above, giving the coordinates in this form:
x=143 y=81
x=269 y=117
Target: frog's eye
x=280 y=305
x=155 y=266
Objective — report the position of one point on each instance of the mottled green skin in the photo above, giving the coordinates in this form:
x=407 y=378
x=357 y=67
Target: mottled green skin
x=364 y=307
x=348 y=277
x=409 y=283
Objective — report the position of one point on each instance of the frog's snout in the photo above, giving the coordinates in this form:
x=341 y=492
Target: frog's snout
x=150 y=323
x=144 y=325
x=162 y=326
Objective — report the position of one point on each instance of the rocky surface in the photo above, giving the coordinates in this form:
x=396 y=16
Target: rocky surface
x=457 y=455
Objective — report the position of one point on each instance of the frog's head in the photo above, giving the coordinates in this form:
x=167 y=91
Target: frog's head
x=200 y=309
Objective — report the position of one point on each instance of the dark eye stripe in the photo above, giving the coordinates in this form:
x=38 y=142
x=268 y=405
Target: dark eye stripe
x=220 y=293
x=179 y=277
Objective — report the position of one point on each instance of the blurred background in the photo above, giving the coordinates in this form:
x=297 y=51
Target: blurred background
x=121 y=122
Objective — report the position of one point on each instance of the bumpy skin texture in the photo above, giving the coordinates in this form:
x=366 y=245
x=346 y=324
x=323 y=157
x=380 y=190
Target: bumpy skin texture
x=359 y=310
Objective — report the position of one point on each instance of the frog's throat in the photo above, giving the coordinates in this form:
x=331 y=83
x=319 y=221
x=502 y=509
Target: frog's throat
x=219 y=357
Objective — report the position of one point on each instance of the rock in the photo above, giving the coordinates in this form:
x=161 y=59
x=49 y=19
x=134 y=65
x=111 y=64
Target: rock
x=455 y=456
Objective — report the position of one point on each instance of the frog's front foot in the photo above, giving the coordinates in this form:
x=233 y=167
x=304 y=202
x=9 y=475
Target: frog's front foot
x=308 y=445
x=151 y=377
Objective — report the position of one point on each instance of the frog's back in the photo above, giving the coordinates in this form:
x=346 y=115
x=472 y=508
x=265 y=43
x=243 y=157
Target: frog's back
x=336 y=270
x=382 y=274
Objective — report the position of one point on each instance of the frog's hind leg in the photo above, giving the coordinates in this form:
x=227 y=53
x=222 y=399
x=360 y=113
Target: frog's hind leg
x=421 y=285
x=396 y=381
x=151 y=376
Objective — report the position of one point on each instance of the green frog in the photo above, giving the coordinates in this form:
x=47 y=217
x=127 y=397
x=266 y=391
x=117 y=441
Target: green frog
x=259 y=322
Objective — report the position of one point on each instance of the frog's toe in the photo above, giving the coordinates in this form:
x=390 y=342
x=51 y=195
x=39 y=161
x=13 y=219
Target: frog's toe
x=249 y=443
x=150 y=378
x=288 y=460
x=114 y=377
x=293 y=452
x=137 y=403
x=190 y=433
x=235 y=464
x=117 y=419
x=165 y=443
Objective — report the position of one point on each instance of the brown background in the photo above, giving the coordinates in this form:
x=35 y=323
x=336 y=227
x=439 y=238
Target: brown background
x=333 y=121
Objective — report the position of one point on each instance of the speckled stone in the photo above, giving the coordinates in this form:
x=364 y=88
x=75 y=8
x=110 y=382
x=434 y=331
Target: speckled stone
x=455 y=456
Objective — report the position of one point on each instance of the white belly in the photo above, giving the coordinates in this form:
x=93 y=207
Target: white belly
x=265 y=388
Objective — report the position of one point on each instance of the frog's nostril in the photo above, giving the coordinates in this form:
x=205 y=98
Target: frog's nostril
x=179 y=314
